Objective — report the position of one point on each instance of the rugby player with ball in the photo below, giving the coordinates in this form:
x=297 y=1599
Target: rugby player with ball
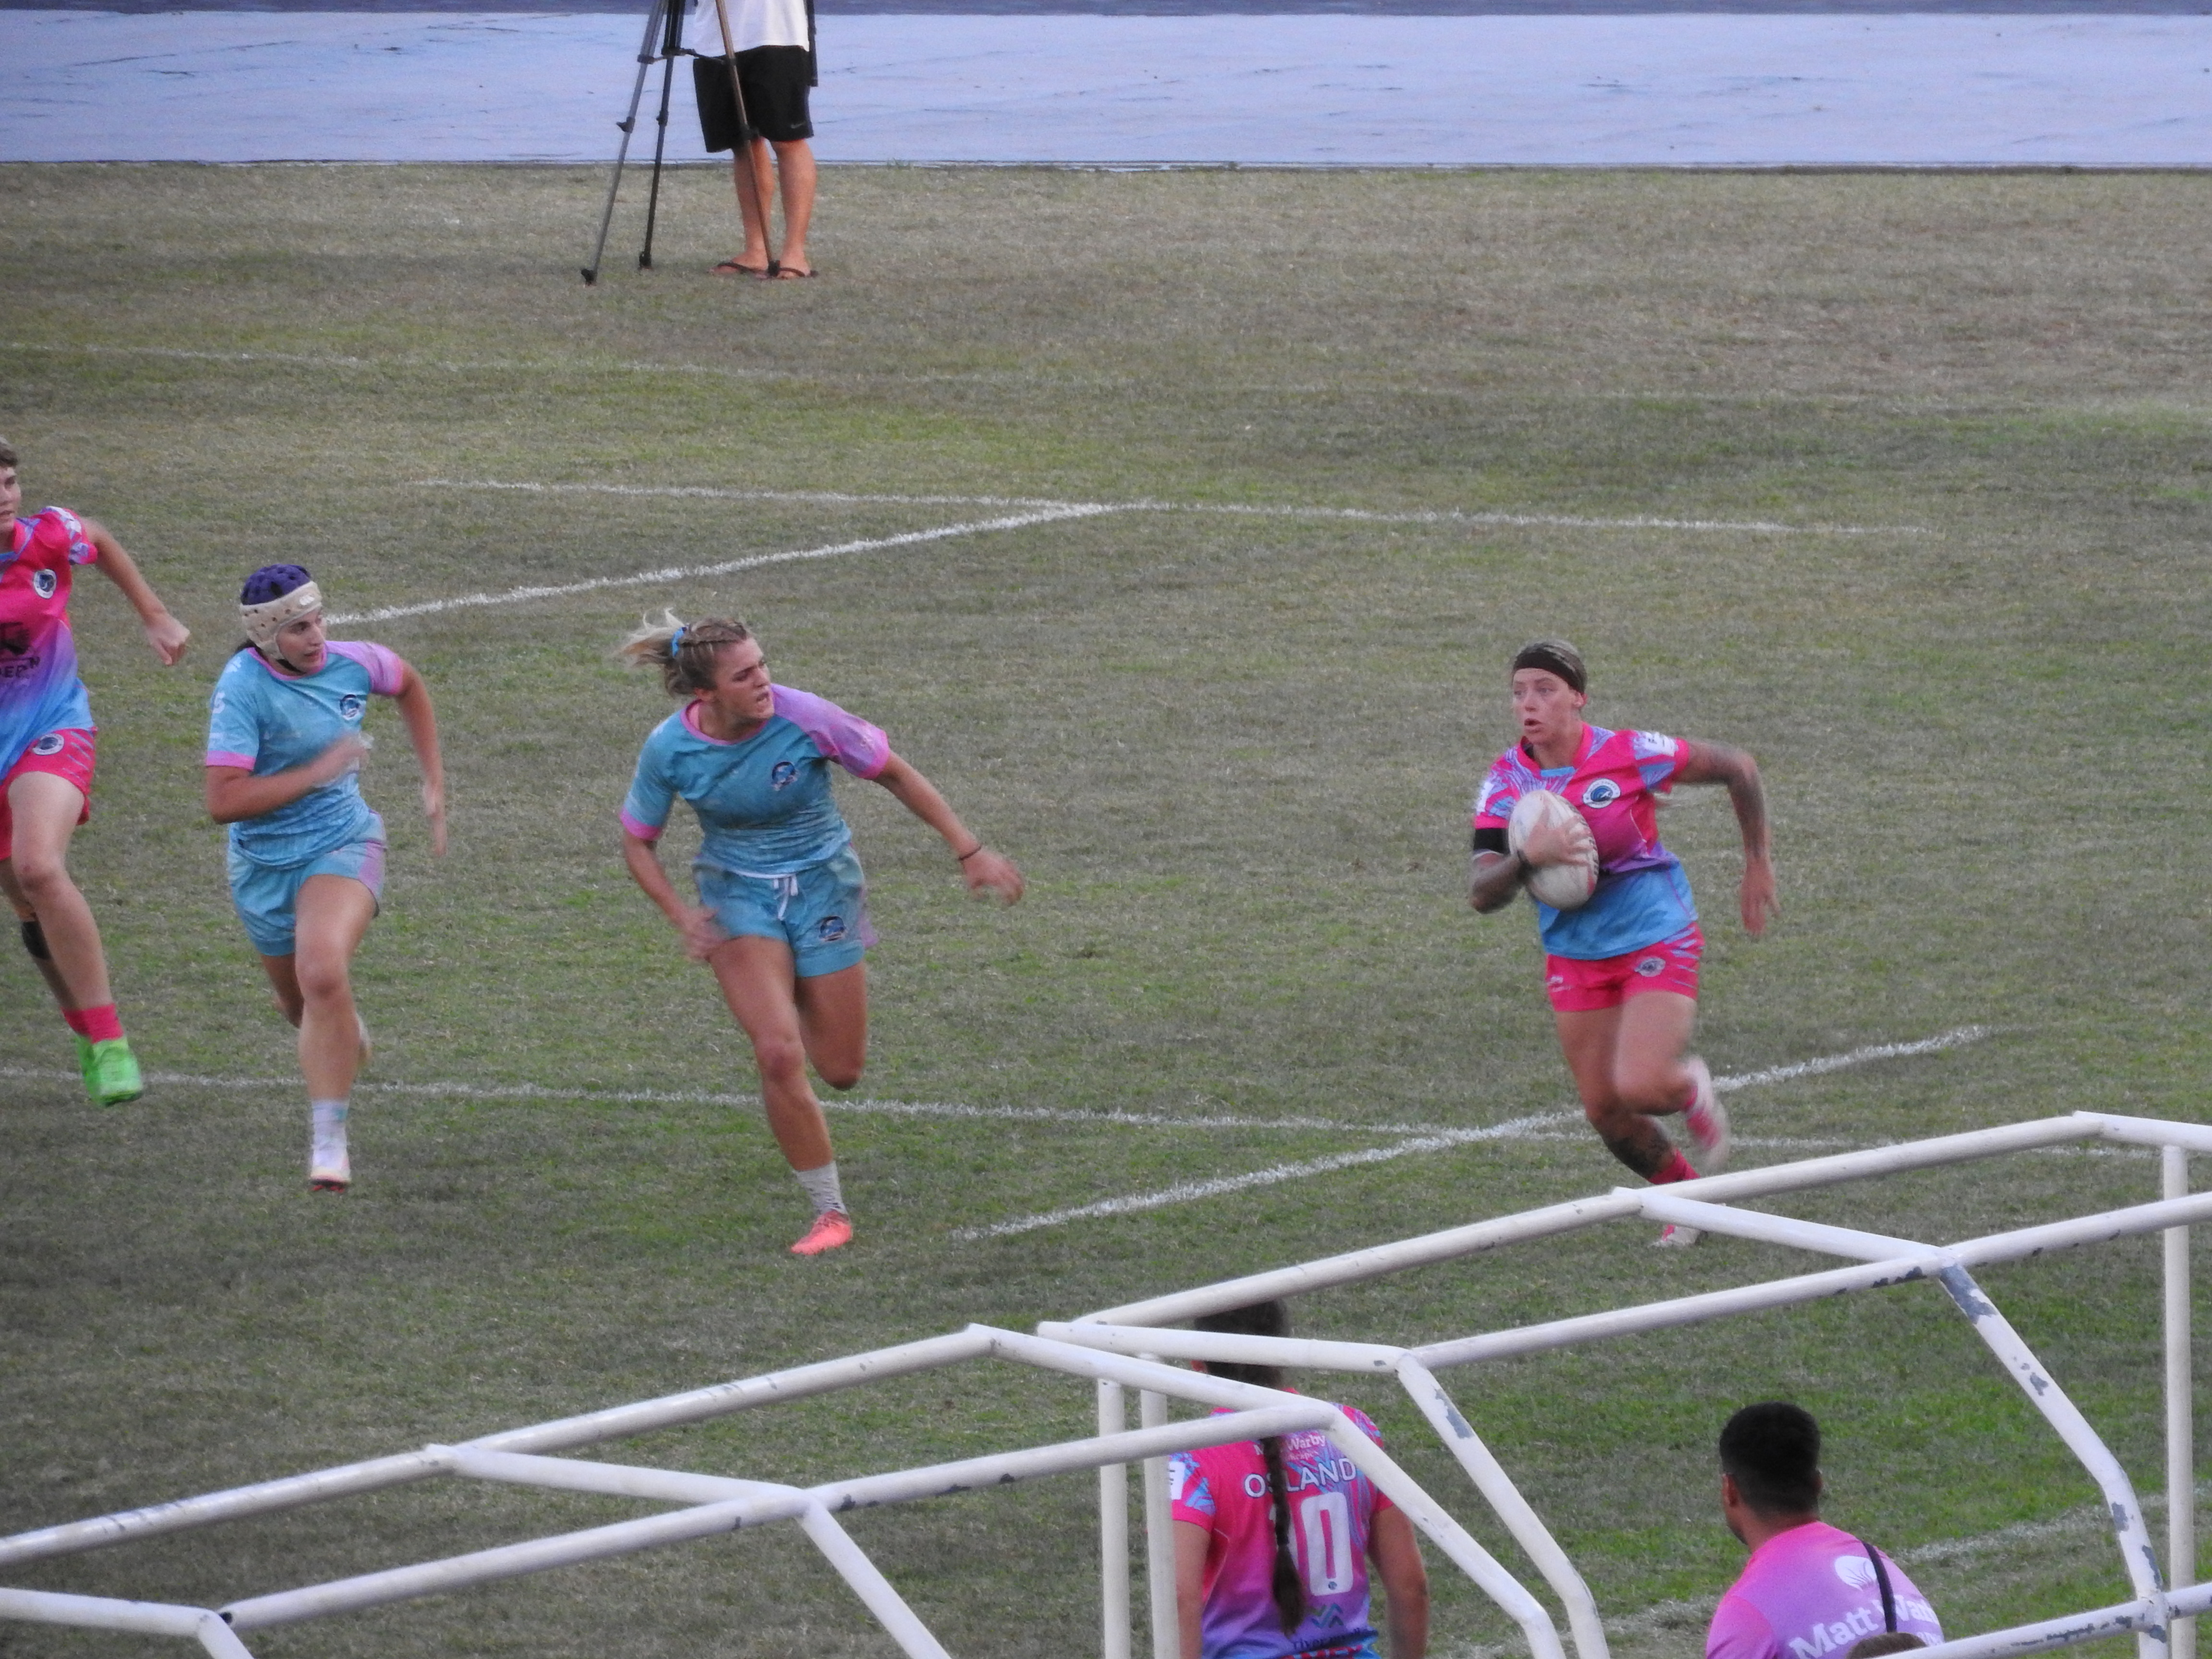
x=1570 y=812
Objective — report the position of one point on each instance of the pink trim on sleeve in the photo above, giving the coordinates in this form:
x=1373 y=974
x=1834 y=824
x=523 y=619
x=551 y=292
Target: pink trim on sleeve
x=859 y=748
x=387 y=672
x=641 y=831
x=226 y=757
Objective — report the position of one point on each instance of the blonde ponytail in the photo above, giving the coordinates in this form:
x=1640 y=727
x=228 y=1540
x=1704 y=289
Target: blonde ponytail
x=685 y=652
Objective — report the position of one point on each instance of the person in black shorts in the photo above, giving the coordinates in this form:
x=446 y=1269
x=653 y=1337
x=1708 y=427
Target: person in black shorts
x=775 y=40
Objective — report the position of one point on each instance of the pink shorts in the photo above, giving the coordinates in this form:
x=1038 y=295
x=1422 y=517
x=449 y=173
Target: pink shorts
x=1576 y=984
x=69 y=753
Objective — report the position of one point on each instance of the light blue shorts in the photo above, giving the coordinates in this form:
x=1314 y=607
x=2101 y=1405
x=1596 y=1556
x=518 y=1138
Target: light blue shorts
x=267 y=896
x=821 y=913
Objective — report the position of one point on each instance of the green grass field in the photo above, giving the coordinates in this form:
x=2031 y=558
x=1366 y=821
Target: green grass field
x=1233 y=753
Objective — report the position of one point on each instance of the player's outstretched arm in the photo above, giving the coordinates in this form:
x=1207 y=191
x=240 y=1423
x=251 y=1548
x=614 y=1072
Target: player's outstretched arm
x=413 y=701
x=1396 y=1553
x=983 y=870
x=1717 y=762
x=695 y=922
x=163 y=631
x=233 y=793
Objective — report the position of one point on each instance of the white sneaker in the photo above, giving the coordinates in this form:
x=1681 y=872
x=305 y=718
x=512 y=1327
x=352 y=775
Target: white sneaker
x=1672 y=1236
x=1706 y=1120
x=329 y=1168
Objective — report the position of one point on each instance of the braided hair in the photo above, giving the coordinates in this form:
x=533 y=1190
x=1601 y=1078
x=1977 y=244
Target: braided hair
x=685 y=652
x=1286 y=1583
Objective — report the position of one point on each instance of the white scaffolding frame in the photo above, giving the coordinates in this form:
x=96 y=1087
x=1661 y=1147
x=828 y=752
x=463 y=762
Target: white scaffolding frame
x=1125 y=1348
x=2160 y=1618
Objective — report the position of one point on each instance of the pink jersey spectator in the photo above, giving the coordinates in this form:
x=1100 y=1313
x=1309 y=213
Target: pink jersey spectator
x=39 y=692
x=1809 y=1593
x=1224 y=1490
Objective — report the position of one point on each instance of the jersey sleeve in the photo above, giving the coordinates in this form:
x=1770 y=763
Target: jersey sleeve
x=1495 y=801
x=1366 y=1425
x=652 y=797
x=1657 y=758
x=64 y=533
x=234 y=732
x=387 y=670
x=859 y=748
x=1739 y=1630
x=1190 y=1497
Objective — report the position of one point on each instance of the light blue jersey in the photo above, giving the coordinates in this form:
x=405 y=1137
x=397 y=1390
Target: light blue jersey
x=764 y=804
x=267 y=721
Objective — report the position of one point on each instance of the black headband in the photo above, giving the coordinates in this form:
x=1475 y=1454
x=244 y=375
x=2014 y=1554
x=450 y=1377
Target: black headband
x=1554 y=657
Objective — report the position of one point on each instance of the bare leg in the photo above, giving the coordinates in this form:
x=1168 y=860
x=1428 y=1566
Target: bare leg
x=45 y=808
x=794 y=166
x=758 y=983
x=1627 y=1067
x=314 y=985
x=27 y=916
x=833 y=1022
x=749 y=169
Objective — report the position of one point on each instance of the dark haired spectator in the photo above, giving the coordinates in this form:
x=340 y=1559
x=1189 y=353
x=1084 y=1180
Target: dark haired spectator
x=1809 y=1589
x=1880 y=1647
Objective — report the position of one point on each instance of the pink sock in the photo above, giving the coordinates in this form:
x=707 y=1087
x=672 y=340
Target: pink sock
x=1676 y=1168
x=94 y=1025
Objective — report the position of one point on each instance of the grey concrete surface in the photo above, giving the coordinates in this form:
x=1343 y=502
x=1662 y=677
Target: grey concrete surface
x=2084 y=89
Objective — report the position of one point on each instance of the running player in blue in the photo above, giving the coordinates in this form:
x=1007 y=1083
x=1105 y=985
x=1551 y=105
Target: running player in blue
x=782 y=918
x=1273 y=1538
x=306 y=854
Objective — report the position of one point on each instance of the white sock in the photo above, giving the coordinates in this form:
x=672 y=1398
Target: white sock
x=330 y=1126
x=822 y=1187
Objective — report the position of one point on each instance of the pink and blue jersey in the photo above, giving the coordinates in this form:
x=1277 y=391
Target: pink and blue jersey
x=1642 y=896
x=764 y=804
x=1224 y=1490
x=39 y=691
x=264 y=720
x=1811 y=1592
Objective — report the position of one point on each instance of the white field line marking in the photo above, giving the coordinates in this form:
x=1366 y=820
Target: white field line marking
x=1354 y=514
x=689 y=573
x=1187 y=1192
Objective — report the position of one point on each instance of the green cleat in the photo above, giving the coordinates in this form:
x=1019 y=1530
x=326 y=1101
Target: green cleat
x=111 y=1072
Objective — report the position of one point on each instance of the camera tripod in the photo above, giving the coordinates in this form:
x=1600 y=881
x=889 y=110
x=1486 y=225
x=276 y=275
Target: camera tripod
x=663 y=44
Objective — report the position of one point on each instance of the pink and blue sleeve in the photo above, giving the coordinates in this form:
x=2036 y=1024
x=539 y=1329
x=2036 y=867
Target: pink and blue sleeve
x=1657 y=757
x=233 y=734
x=859 y=748
x=1494 y=802
x=1189 y=1497
x=387 y=671
x=644 y=810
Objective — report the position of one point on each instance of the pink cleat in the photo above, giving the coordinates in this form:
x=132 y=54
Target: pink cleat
x=831 y=1229
x=1706 y=1120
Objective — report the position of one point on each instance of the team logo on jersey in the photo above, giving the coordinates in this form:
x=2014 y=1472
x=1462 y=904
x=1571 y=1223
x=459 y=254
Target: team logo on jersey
x=1855 y=1571
x=1652 y=966
x=351 y=704
x=1603 y=792
x=831 y=929
x=781 y=774
x=49 y=744
x=43 y=583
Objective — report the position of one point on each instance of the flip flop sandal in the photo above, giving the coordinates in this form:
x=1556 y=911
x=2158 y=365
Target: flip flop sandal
x=731 y=268
x=785 y=273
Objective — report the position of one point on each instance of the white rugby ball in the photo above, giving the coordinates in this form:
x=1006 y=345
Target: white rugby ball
x=1563 y=886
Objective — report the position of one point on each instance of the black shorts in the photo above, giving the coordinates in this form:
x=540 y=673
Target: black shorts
x=774 y=80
